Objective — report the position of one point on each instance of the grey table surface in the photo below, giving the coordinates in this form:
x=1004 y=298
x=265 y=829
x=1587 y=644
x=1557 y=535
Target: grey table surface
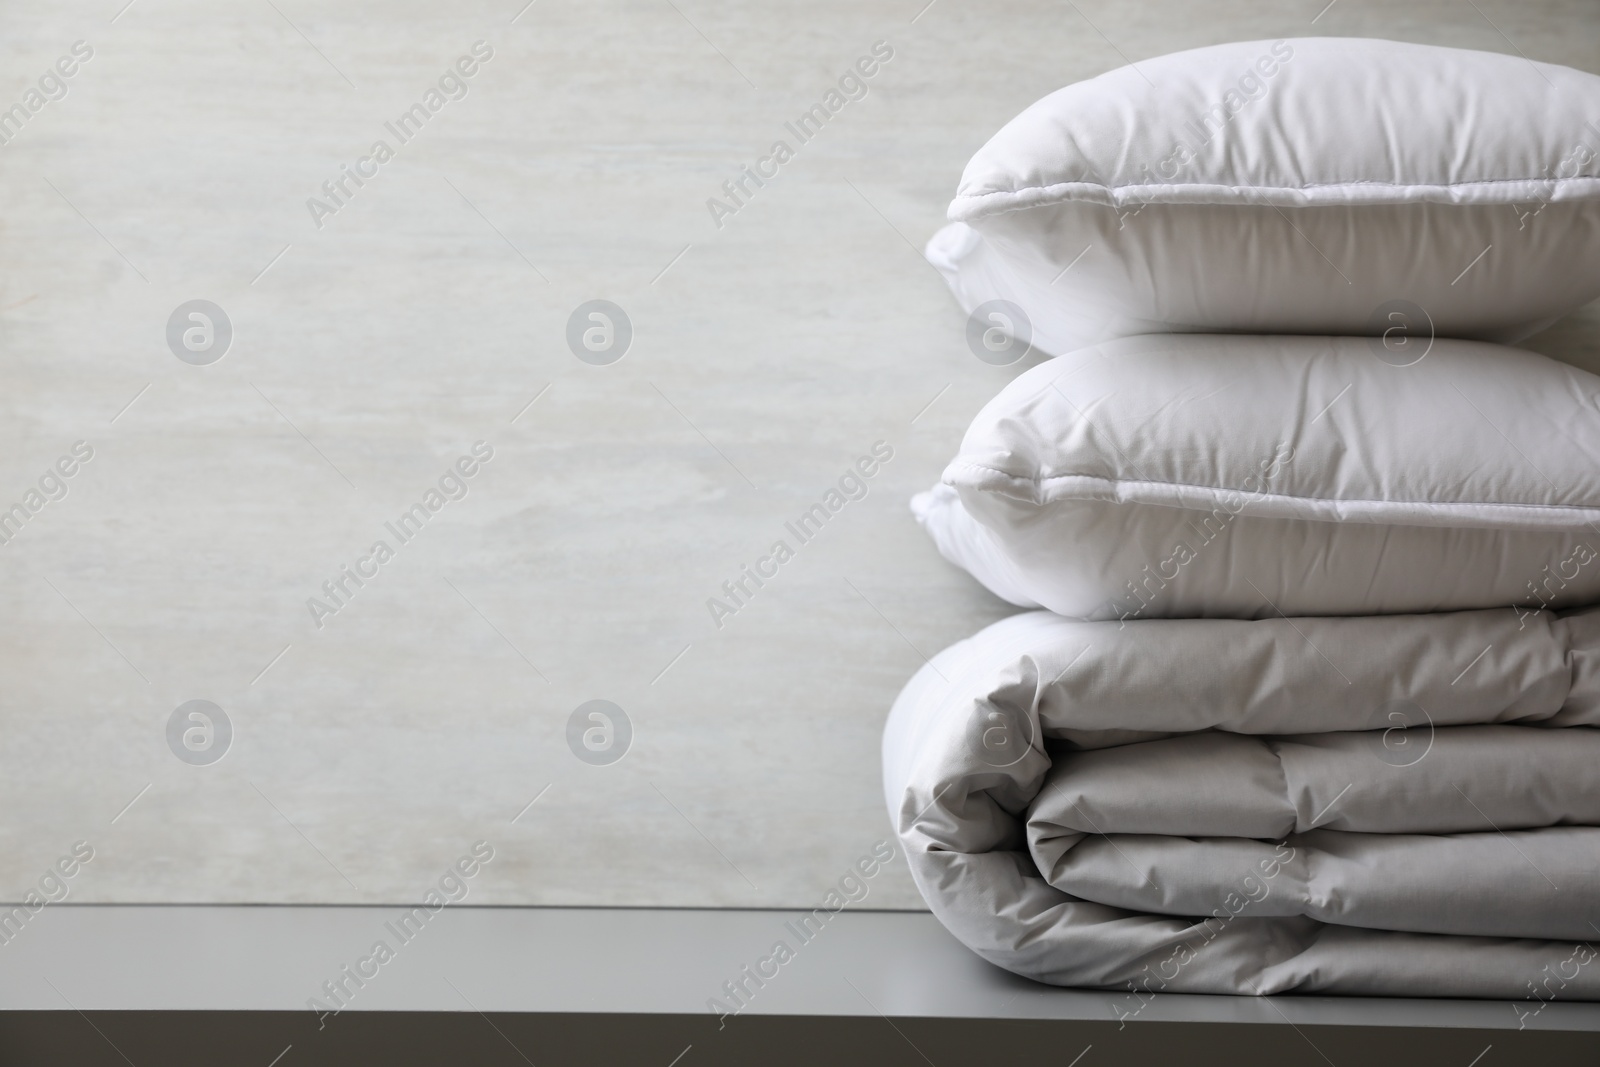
x=374 y=345
x=613 y=961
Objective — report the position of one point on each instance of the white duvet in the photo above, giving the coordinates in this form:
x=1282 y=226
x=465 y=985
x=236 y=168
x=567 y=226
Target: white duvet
x=1398 y=805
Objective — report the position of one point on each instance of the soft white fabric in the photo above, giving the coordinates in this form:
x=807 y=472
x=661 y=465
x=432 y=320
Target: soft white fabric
x=1246 y=476
x=1296 y=186
x=1098 y=804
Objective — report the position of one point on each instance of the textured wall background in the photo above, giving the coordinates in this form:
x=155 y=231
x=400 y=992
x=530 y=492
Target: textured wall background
x=425 y=315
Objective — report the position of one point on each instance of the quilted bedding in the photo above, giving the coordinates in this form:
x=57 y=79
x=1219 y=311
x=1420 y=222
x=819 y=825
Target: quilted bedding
x=1384 y=805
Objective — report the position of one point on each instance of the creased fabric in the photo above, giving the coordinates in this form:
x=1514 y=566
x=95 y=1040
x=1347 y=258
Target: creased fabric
x=1393 y=805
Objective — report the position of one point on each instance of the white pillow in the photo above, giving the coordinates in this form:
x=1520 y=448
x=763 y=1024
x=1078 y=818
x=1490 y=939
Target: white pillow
x=1247 y=476
x=1315 y=185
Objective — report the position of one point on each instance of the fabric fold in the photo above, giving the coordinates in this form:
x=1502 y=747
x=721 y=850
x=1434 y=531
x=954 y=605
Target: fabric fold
x=1006 y=751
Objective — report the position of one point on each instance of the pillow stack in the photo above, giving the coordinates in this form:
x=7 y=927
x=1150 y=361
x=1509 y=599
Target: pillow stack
x=1296 y=513
x=1191 y=235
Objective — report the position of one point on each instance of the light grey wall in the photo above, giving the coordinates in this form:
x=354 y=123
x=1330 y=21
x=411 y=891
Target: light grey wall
x=426 y=314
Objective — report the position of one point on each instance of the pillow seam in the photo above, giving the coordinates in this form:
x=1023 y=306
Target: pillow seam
x=1041 y=195
x=1041 y=482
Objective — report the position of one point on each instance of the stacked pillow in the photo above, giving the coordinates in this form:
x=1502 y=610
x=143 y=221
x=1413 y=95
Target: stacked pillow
x=1273 y=272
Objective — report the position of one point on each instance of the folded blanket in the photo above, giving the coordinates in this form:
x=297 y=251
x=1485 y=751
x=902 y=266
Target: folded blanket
x=1395 y=806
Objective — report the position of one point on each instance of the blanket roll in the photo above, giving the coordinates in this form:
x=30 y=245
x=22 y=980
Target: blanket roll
x=1388 y=806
